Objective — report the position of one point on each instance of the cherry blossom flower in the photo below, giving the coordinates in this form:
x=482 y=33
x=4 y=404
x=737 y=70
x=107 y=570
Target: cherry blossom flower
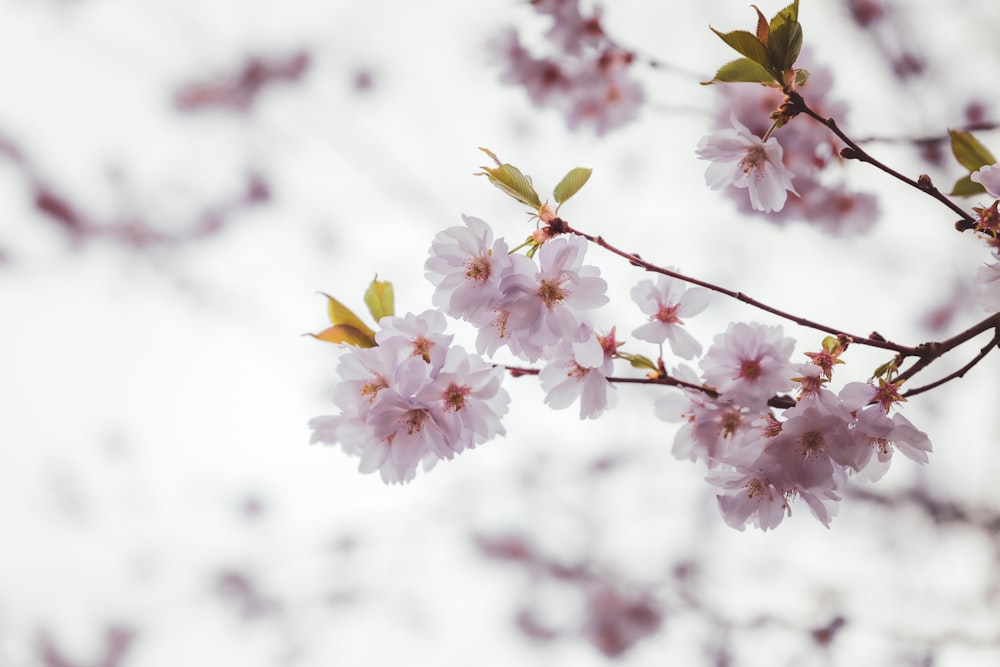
x=879 y=435
x=742 y=159
x=666 y=302
x=988 y=280
x=412 y=400
x=749 y=363
x=989 y=178
x=580 y=370
x=714 y=430
x=813 y=448
x=469 y=399
x=465 y=267
x=542 y=304
x=751 y=497
x=809 y=151
x=584 y=75
x=422 y=334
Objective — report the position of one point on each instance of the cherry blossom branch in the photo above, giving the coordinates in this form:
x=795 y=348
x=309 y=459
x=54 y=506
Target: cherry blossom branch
x=933 y=351
x=992 y=345
x=560 y=226
x=796 y=104
x=660 y=378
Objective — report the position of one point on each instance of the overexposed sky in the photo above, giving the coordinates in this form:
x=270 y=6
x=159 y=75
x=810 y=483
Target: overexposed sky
x=157 y=475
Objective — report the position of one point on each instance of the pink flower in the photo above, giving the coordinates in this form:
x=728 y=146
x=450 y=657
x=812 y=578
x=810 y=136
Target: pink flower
x=542 y=304
x=580 y=370
x=423 y=335
x=749 y=363
x=468 y=399
x=988 y=280
x=989 y=178
x=751 y=497
x=742 y=159
x=412 y=400
x=465 y=267
x=666 y=302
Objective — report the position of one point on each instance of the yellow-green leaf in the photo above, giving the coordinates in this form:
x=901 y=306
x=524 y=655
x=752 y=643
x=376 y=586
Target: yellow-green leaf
x=746 y=44
x=509 y=178
x=743 y=70
x=789 y=13
x=969 y=152
x=341 y=314
x=571 y=183
x=345 y=333
x=380 y=299
x=785 y=44
x=966 y=187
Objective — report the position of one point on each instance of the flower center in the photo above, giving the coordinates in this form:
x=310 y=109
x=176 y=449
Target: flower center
x=422 y=348
x=667 y=315
x=454 y=397
x=478 y=269
x=371 y=388
x=750 y=369
x=730 y=423
x=756 y=487
x=414 y=420
x=812 y=443
x=753 y=160
x=551 y=292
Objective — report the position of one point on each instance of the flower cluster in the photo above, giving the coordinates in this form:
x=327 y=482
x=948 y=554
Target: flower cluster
x=587 y=78
x=414 y=399
x=534 y=309
x=762 y=461
x=808 y=151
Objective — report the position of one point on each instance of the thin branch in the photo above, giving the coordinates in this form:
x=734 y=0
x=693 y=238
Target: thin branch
x=936 y=350
x=561 y=226
x=796 y=104
x=992 y=345
x=776 y=401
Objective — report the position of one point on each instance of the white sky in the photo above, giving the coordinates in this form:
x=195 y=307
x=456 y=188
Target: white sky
x=149 y=396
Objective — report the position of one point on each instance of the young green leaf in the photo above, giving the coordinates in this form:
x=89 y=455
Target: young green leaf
x=638 y=361
x=571 y=184
x=789 y=13
x=509 y=178
x=966 y=187
x=969 y=152
x=785 y=44
x=747 y=44
x=344 y=333
x=380 y=299
x=743 y=70
x=342 y=315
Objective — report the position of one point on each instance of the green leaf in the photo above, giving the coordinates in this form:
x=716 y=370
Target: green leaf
x=789 y=13
x=342 y=315
x=965 y=187
x=801 y=76
x=747 y=44
x=380 y=299
x=571 y=184
x=345 y=333
x=743 y=70
x=785 y=44
x=969 y=152
x=509 y=178
x=638 y=361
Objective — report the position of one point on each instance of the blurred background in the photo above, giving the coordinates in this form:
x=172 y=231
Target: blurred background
x=179 y=180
